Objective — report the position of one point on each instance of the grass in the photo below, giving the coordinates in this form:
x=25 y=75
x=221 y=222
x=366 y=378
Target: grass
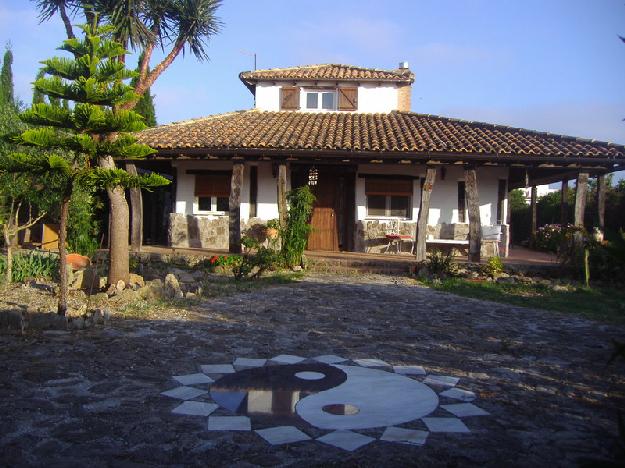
x=602 y=304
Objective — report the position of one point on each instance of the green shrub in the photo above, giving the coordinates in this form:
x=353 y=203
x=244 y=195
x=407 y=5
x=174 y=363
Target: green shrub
x=493 y=267
x=255 y=260
x=295 y=233
x=440 y=264
x=31 y=265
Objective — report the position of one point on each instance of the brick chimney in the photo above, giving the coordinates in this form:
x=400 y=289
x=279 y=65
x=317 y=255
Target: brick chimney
x=404 y=90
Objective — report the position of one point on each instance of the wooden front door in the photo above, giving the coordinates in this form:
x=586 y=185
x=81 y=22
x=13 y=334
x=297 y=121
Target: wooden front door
x=332 y=218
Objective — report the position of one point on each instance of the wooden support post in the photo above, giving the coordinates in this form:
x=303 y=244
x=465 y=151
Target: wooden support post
x=282 y=210
x=136 y=213
x=564 y=204
x=534 y=218
x=424 y=209
x=581 y=188
x=473 y=208
x=234 y=207
x=601 y=202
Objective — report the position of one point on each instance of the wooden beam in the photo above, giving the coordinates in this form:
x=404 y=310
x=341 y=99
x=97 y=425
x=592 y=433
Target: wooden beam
x=234 y=207
x=282 y=211
x=601 y=202
x=564 y=204
x=424 y=209
x=581 y=190
x=473 y=208
x=136 y=213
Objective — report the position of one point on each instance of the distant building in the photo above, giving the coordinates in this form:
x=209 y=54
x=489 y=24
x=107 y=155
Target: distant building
x=541 y=190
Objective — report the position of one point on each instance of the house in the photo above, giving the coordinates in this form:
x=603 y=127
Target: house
x=375 y=166
x=541 y=191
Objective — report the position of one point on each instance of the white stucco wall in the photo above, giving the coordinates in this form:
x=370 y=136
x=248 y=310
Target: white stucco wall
x=371 y=97
x=267 y=197
x=444 y=199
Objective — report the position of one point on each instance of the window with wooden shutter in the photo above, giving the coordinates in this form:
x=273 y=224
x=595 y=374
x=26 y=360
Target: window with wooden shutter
x=348 y=99
x=212 y=192
x=289 y=98
x=389 y=197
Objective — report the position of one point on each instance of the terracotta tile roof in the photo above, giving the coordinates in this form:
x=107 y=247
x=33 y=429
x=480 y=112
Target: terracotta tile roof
x=330 y=72
x=396 y=132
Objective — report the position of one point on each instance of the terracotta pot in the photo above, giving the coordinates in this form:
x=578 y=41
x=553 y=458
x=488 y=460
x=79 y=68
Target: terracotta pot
x=77 y=261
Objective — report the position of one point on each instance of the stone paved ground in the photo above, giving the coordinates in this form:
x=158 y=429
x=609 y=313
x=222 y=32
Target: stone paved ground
x=92 y=398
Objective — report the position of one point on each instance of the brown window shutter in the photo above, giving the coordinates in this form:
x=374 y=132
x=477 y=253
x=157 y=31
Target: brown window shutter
x=289 y=98
x=348 y=99
x=212 y=185
x=388 y=186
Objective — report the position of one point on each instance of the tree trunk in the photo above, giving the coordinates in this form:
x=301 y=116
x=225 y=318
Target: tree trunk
x=118 y=230
x=601 y=202
x=62 y=308
x=136 y=218
x=282 y=211
x=424 y=210
x=564 y=205
x=473 y=208
x=234 y=206
x=534 y=220
x=7 y=241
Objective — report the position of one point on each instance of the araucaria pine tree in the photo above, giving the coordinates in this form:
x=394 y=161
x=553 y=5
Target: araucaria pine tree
x=74 y=138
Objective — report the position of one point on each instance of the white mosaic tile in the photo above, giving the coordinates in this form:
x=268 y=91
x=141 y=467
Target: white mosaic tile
x=346 y=440
x=442 y=380
x=458 y=394
x=445 y=425
x=287 y=359
x=184 y=393
x=218 y=369
x=371 y=363
x=329 y=359
x=465 y=409
x=405 y=436
x=409 y=370
x=282 y=435
x=229 y=423
x=192 y=379
x=248 y=362
x=195 y=408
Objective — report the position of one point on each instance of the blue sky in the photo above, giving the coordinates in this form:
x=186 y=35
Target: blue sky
x=547 y=65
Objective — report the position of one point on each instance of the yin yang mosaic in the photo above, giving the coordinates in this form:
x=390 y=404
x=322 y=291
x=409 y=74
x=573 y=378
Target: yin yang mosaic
x=289 y=399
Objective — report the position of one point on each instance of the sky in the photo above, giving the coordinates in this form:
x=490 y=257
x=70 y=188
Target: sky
x=549 y=65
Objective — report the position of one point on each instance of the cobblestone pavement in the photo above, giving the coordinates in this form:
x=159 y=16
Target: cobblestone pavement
x=92 y=398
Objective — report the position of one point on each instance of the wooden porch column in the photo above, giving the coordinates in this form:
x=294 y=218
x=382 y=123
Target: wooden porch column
x=424 y=209
x=534 y=221
x=136 y=213
x=601 y=202
x=564 y=204
x=234 y=207
x=473 y=209
x=282 y=211
x=581 y=188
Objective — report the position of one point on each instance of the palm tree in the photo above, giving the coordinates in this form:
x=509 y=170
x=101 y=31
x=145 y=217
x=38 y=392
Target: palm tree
x=171 y=25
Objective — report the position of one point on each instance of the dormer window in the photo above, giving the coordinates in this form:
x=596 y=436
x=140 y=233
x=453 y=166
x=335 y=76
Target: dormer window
x=319 y=99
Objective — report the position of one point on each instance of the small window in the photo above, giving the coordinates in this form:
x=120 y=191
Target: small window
x=312 y=100
x=327 y=101
x=213 y=204
x=320 y=100
x=376 y=205
x=462 y=204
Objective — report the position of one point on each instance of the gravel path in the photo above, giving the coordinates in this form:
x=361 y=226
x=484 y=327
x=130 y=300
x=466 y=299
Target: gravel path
x=92 y=398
